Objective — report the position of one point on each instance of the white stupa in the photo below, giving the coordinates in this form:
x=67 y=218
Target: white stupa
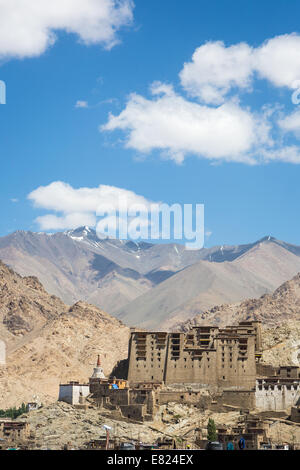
x=98 y=371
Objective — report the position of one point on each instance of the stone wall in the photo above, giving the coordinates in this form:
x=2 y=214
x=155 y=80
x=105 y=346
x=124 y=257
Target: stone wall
x=243 y=399
x=295 y=414
x=187 y=397
x=135 y=412
x=267 y=370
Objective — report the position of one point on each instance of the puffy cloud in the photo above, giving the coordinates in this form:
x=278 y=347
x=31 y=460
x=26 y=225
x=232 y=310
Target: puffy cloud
x=178 y=127
x=215 y=125
x=27 y=27
x=76 y=207
x=68 y=221
x=216 y=69
x=62 y=197
x=278 y=60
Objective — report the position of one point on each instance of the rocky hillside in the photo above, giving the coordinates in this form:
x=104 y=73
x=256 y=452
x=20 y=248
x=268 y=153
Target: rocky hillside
x=281 y=344
x=25 y=306
x=272 y=309
x=59 y=424
x=49 y=342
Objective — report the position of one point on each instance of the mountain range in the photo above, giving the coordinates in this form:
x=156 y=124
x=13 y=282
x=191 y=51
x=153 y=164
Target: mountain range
x=149 y=285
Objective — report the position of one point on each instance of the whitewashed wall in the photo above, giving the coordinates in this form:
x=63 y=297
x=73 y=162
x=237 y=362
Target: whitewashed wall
x=277 y=399
x=70 y=393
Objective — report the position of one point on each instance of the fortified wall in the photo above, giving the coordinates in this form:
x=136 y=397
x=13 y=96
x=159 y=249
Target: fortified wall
x=276 y=394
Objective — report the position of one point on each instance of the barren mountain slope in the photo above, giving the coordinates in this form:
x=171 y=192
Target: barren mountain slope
x=270 y=261
x=272 y=309
x=205 y=284
x=64 y=349
x=78 y=265
x=72 y=269
x=25 y=306
x=144 y=284
x=49 y=342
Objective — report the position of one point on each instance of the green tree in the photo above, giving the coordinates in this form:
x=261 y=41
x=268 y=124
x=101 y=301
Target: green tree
x=211 y=431
x=13 y=413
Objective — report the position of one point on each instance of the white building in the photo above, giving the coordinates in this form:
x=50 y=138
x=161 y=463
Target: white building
x=73 y=392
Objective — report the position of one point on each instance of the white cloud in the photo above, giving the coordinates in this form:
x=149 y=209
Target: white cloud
x=278 y=60
x=288 y=154
x=28 y=27
x=291 y=123
x=81 y=104
x=77 y=207
x=68 y=221
x=178 y=127
x=216 y=69
x=216 y=126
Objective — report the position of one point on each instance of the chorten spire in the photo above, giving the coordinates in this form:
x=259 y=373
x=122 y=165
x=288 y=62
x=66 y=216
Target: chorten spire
x=98 y=370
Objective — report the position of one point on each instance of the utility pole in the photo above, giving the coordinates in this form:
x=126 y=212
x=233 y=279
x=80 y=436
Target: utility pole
x=107 y=429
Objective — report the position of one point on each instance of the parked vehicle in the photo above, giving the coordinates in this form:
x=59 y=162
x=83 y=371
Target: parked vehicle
x=266 y=446
x=214 y=446
x=127 y=446
x=282 y=447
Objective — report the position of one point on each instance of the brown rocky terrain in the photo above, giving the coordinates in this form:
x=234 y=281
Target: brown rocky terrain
x=281 y=344
x=49 y=342
x=59 y=424
x=272 y=309
x=25 y=306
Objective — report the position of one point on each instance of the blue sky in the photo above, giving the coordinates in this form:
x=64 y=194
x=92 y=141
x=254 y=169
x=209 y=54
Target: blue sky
x=45 y=138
